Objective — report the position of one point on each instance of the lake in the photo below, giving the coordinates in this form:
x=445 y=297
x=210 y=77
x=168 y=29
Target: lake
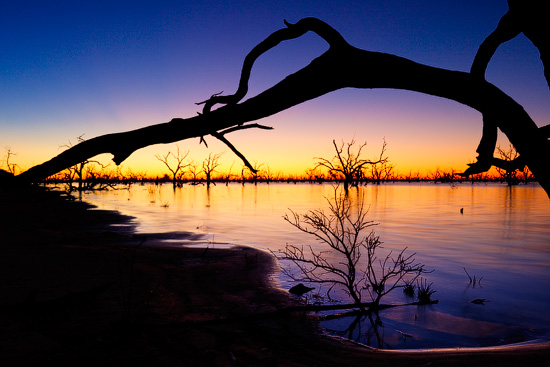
x=499 y=233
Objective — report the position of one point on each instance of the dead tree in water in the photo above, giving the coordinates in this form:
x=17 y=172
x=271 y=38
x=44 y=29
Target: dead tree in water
x=177 y=168
x=209 y=165
x=507 y=170
x=382 y=170
x=341 y=231
x=344 y=66
x=348 y=164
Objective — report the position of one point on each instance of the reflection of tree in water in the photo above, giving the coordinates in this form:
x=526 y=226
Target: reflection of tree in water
x=365 y=328
x=338 y=263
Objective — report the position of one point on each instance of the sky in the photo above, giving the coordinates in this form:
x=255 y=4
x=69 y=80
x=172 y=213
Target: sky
x=88 y=68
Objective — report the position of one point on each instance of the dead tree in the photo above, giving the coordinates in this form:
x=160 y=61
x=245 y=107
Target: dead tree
x=341 y=66
x=347 y=163
x=193 y=170
x=508 y=171
x=80 y=171
x=382 y=169
x=344 y=265
x=177 y=168
x=11 y=167
x=209 y=165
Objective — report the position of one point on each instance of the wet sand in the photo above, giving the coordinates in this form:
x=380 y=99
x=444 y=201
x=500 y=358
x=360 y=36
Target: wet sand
x=77 y=287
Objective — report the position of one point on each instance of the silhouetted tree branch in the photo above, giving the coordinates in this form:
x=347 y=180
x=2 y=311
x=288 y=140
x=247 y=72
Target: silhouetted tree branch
x=341 y=66
x=524 y=16
x=341 y=229
x=80 y=171
x=329 y=34
x=220 y=136
x=509 y=164
x=529 y=17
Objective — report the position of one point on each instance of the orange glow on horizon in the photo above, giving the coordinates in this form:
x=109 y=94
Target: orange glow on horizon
x=422 y=136
x=294 y=157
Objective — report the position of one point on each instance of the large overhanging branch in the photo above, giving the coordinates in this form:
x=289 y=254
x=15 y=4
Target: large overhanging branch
x=339 y=67
x=329 y=34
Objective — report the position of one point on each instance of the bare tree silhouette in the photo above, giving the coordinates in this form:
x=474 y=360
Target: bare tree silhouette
x=382 y=169
x=177 y=166
x=251 y=173
x=342 y=230
x=341 y=66
x=10 y=166
x=348 y=164
x=194 y=171
x=209 y=165
x=507 y=170
x=81 y=170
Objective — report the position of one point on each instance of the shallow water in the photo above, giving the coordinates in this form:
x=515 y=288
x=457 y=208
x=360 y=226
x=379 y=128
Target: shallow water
x=503 y=235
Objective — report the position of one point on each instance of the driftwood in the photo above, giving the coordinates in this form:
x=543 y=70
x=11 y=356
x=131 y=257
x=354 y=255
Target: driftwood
x=341 y=66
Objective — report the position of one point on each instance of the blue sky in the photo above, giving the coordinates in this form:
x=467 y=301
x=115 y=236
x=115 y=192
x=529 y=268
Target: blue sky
x=73 y=68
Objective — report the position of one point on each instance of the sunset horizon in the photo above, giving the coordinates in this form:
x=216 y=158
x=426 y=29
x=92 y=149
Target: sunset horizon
x=75 y=80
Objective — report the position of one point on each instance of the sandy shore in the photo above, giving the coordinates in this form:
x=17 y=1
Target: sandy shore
x=78 y=288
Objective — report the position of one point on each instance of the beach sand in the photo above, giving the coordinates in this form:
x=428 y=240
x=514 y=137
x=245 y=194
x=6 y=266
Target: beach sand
x=79 y=288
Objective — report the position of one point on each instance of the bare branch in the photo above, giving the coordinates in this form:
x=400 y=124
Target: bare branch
x=234 y=150
x=178 y=165
x=209 y=165
x=244 y=127
x=348 y=165
x=11 y=167
x=329 y=34
x=220 y=136
x=342 y=233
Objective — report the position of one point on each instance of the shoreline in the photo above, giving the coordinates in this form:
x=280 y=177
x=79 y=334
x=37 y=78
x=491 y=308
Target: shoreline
x=79 y=287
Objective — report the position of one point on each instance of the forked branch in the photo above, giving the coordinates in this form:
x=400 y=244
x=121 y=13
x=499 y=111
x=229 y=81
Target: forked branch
x=220 y=136
x=323 y=30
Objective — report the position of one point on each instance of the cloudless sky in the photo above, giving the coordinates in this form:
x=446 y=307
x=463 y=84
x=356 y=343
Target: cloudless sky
x=69 y=68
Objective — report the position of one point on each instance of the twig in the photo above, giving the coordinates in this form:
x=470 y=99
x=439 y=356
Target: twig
x=469 y=277
x=472 y=280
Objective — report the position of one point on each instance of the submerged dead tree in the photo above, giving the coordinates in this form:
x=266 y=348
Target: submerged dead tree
x=209 y=165
x=349 y=258
x=177 y=167
x=341 y=66
x=347 y=163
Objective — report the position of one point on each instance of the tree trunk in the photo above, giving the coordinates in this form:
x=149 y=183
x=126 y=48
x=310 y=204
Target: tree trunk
x=339 y=67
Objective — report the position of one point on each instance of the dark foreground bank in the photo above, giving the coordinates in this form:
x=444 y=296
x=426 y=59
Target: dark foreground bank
x=78 y=288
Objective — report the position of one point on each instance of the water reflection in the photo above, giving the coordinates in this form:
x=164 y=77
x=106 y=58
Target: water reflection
x=365 y=328
x=502 y=235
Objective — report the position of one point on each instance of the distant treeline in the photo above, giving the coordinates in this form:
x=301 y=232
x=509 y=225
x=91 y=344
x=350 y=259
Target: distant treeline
x=92 y=176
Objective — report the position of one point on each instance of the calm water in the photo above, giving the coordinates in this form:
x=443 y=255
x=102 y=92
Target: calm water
x=503 y=235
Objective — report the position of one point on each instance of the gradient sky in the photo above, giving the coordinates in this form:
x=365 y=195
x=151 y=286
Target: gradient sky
x=69 y=68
